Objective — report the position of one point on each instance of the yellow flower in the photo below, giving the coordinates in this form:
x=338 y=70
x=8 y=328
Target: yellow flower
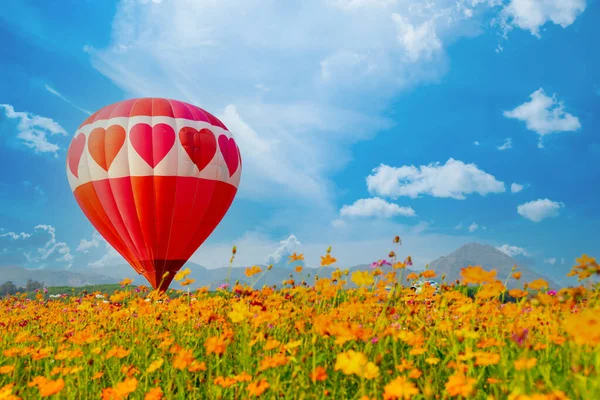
x=371 y=371
x=362 y=278
x=351 y=362
x=6 y=369
x=155 y=365
x=126 y=282
x=154 y=394
x=258 y=388
x=476 y=275
x=182 y=274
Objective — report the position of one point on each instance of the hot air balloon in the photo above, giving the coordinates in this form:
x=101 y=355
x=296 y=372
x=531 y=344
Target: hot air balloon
x=155 y=177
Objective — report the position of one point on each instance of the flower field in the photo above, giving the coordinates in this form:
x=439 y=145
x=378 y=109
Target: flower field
x=309 y=341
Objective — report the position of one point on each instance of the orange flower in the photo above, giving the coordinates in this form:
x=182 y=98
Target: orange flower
x=255 y=269
x=412 y=276
x=154 y=394
x=538 y=284
x=298 y=268
x=319 y=374
x=428 y=273
x=477 y=275
x=517 y=275
x=183 y=359
x=327 y=260
x=517 y=293
x=459 y=385
x=258 y=388
x=400 y=388
x=296 y=257
x=125 y=282
x=215 y=344
x=6 y=369
x=50 y=388
x=525 y=363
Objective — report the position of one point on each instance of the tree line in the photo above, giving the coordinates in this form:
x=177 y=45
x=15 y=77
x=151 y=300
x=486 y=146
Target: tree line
x=9 y=288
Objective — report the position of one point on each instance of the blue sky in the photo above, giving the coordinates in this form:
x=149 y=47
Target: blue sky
x=445 y=122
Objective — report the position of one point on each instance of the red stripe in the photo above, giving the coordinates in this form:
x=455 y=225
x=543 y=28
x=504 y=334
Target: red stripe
x=154 y=107
x=155 y=222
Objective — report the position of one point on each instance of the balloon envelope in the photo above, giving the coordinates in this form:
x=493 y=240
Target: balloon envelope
x=154 y=177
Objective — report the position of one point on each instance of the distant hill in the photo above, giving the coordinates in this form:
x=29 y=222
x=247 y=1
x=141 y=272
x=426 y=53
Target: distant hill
x=488 y=257
x=51 y=277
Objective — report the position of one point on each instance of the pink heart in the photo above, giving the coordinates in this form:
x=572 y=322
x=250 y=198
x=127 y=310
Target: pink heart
x=230 y=153
x=200 y=145
x=75 y=152
x=152 y=143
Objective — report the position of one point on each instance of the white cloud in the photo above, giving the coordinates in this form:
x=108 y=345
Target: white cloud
x=512 y=251
x=420 y=42
x=16 y=236
x=473 y=227
x=476 y=143
x=506 y=145
x=531 y=15
x=458 y=227
x=33 y=130
x=110 y=258
x=544 y=115
x=286 y=248
x=375 y=207
x=455 y=179
x=550 y=261
x=540 y=209
x=36 y=249
x=60 y=96
x=86 y=245
x=516 y=188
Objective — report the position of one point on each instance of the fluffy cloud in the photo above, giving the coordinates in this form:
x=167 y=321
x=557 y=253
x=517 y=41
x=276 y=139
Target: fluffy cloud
x=540 y=209
x=455 y=179
x=512 y=251
x=34 y=130
x=473 y=227
x=286 y=248
x=223 y=55
x=531 y=15
x=516 y=188
x=375 y=207
x=506 y=145
x=544 y=115
x=550 y=261
x=36 y=249
x=86 y=245
x=419 y=42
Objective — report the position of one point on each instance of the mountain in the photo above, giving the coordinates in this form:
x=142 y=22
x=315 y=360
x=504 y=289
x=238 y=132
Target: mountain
x=19 y=276
x=488 y=258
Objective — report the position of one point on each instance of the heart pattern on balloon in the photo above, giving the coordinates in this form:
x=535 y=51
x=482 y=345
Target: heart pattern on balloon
x=200 y=145
x=230 y=153
x=75 y=152
x=155 y=150
x=105 y=145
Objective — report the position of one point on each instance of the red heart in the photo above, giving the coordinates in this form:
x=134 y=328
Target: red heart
x=200 y=145
x=75 y=152
x=105 y=145
x=152 y=143
x=230 y=153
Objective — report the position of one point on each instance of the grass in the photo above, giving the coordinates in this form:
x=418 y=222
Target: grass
x=301 y=342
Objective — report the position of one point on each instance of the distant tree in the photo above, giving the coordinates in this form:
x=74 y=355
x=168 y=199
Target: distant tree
x=32 y=286
x=8 y=288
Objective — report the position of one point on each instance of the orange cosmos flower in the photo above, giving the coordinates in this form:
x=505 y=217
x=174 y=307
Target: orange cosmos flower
x=400 y=388
x=296 y=257
x=477 y=275
x=459 y=385
x=154 y=394
x=258 y=388
x=327 y=260
x=319 y=374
